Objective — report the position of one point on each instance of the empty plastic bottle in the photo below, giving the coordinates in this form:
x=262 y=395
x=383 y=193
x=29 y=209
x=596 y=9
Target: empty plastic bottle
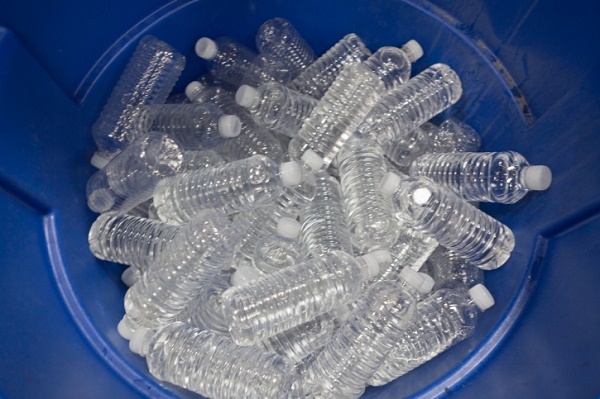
x=274 y=106
x=245 y=184
x=148 y=78
x=351 y=96
x=454 y=135
x=447 y=268
x=195 y=126
x=324 y=225
x=369 y=213
x=277 y=36
x=295 y=295
x=195 y=255
x=235 y=63
x=201 y=159
x=316 y=78
x=454 y=223
x=440 y=321
x=277 y=251
x=212 y=364
x=204 y=311
x=359 y=347
x=129 y=240
x=412 y=104
x=252 y=140
x=130 y=177
x=504 y=177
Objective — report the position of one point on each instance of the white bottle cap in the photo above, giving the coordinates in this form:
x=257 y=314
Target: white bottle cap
x=312 y=159
x=421 y=195
x=372 y=265
x=229 y=126
x=412 y=278
x=99 y=161
x=192 y=89
x=244 y=275
x=537 y=177
x=427 y=285
x=129 y=276
x=124 y=328
x=389 y=183
x=246 y=96
x=413 y=50
x=137 y=340
x=290 y=173
x=482 y=297
x=382 y=256
x=288 y=228
x=206 y=48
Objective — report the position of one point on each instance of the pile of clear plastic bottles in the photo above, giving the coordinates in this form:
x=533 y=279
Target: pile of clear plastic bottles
x=294 y=226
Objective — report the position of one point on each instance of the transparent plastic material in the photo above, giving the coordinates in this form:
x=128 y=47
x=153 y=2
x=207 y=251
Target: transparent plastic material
x=412 y=104
x=362 y=343
x=447 y=268
x=454 y=223
x=148 y=78
x=195 y=126
x=130 y=177
x=212 y=364
x=504 y=177
x=289 y=297
x=275 y=252
x=278 y=37
x=199 y=250
x=201 y=159
x=248 y=183
x=454 y=135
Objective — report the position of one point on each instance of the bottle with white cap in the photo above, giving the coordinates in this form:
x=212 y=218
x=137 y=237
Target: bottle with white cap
x=245 y=184
x=277 y=251
x=359 y=347
x=443 y=319
x=315 y=79
x=196 y=254
x=148 y=78
x=295 y=295
x=454 y=223
x=275 y=106
x=211 y=364
x=235 y=63
x=412 y=104
x=324 y=225
x=252 y=140
x=130 y=240
x=278 y=37
x=504 y=177
x=195 y=125
x=129 y=178
x=345 y=104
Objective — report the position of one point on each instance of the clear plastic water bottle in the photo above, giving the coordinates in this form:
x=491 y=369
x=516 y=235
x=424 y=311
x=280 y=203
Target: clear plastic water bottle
x=199 y=250
x=204 y=311
x=236 y=64
x=195 y=126
x=454 y=223
x=252 y=140
x=412 y=104
x=295 y=295
x=245 y=184
x=445 y=318
x=148 y=78
x=504 y=177
x=369 y=213
x=201 y=159
x=447 y=268
x=277 y=251
x=275 y=106
x=360 y=346
x=277 y=36
x=130 y=177
x=324 y=225
x=212 y=364
x=131 y=275
x=129 y=240
x=316 y=78
x=454 y=135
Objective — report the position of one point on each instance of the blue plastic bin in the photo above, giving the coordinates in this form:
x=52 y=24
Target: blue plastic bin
x=531 y=83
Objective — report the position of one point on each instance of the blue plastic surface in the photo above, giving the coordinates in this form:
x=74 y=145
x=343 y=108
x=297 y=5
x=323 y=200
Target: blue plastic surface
x=531 y=74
